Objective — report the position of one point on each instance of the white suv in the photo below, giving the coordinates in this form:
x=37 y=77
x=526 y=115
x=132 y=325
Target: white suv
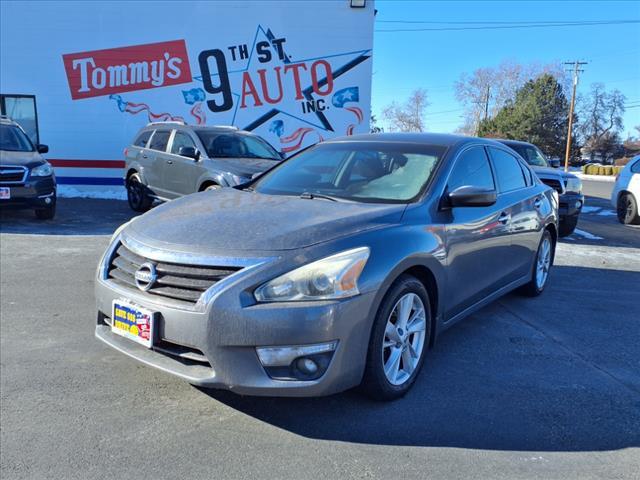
x=626 y=193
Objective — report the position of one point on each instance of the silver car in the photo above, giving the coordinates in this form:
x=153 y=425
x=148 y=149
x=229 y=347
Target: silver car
x=339 y=267
x=171 y=159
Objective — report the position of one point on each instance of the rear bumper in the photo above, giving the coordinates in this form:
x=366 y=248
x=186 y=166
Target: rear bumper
x=35 y=193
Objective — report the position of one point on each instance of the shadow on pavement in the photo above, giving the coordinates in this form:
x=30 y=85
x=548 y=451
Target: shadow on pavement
x=514 y=376
x=74 y=216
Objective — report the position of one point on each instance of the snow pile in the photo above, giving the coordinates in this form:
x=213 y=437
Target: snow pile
x=91 y=191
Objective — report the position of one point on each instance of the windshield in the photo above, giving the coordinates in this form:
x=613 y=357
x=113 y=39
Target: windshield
x=531 y=154
x=357 y=171
x=234 y=145
x=13 y=139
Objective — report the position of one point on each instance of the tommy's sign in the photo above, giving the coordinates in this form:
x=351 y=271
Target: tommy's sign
x=126 y=69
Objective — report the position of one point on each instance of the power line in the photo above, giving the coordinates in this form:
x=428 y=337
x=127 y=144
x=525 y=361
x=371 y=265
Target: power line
x=512 y=26
x=491 y=22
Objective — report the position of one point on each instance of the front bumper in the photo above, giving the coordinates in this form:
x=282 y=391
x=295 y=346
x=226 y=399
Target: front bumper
x=36 y=193
x=217 y=347
x=570 y=204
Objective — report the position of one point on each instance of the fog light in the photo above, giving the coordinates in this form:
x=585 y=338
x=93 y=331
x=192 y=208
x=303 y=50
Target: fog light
x=578 y=204
x=283 y=356
x=306 y=365
x=47 y=200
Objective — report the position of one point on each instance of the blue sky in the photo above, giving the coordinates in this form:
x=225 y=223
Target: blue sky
x=404 y=61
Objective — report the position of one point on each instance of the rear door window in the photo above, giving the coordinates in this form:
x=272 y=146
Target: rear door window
x=142 y=139
x=635 y=168
x=509 y=173
x=159 y=140
x=472 y=169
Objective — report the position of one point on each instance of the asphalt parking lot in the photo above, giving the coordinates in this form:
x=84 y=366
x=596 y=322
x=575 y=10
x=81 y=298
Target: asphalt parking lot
x=525 y=388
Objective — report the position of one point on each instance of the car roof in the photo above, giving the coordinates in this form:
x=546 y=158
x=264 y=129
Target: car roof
x=513 y=142
x=442 y=139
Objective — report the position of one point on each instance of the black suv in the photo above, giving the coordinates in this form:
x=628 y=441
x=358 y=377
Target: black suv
x=26 y=179
x=568 y=186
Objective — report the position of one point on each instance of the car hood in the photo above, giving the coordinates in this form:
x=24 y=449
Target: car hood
x=23 y=159
x=548 y=172
x=227 y=220
x=247 y=167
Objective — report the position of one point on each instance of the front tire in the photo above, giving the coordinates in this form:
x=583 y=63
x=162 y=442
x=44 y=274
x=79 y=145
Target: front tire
x=47 y=213
x=628 y=209
x=541 y=266
x=399 y=340
x=568 y=225
x=137 y=196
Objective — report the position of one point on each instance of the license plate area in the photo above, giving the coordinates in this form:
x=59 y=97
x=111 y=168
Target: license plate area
x=133 y=322
x=5 y=193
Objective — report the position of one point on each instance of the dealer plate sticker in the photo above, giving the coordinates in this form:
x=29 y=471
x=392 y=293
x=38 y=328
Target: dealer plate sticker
x=133 y=322
x=5 y=193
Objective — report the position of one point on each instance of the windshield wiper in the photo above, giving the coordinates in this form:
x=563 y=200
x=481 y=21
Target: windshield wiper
x=311 y=196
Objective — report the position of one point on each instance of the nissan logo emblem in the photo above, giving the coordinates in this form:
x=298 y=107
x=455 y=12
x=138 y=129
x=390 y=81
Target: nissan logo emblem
x=146 y=276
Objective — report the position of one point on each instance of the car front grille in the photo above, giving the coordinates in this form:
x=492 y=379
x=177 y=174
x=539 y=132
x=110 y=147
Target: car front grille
x=12 y=175
x=184 y=283
x=555 y=184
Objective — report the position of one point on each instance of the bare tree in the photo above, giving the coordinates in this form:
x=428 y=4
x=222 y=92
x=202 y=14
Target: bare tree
x=600 y=117
x=487 y=90
x=409 y=116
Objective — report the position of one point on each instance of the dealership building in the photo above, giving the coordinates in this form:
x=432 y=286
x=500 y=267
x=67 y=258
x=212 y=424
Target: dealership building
x=86 y=76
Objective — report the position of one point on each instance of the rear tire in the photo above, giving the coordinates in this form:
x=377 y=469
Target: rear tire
x=628 y=209
x=137 y=196
x=567 y=225
x=399 y=340
x=541 y=266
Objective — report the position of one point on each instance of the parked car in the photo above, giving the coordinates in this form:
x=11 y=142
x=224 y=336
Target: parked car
x=26 y=179
x=568 y=186
x=626 y=193
x=554 y=162
x=338 y=267
x=170 y=159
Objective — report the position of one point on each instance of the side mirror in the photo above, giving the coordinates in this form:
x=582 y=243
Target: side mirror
x=42 y=148
x=189 y=152
x=469 y=196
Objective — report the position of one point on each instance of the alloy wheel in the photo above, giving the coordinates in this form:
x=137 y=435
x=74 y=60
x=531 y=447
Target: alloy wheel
x=543 y=263
x=404 y=337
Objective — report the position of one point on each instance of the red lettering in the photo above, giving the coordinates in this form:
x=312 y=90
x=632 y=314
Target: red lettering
x=296 y=77
x=248 y=88
x=265 y=88
x=328 y=80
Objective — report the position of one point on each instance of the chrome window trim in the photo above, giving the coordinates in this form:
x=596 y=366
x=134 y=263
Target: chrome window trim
x=25 y=171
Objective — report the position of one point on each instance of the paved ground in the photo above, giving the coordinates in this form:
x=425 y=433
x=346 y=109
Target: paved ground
x=525 y=388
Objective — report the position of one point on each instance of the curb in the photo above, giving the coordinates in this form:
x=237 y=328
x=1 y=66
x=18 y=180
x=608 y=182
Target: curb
x=597 y=178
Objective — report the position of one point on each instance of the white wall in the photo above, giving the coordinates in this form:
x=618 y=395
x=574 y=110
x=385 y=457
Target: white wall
x=34 y=36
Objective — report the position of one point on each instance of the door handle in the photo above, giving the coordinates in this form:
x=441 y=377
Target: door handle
x=504 y=218
x=170 y=162
x=144 y=155
x=537 y=203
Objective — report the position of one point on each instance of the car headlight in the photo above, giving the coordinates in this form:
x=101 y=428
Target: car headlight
x=574 y=185
x=44 y=170
x=329 y=278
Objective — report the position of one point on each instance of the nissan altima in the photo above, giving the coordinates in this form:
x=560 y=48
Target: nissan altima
x=339 y=267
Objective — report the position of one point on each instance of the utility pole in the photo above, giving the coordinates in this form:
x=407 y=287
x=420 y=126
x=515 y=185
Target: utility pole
x=486 y=102
x=576 y=72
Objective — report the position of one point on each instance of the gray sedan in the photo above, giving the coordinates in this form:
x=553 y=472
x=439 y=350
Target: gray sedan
x=339 y=267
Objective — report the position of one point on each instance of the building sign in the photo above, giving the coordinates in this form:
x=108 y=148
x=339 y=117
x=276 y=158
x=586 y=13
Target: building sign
x=127 y=69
